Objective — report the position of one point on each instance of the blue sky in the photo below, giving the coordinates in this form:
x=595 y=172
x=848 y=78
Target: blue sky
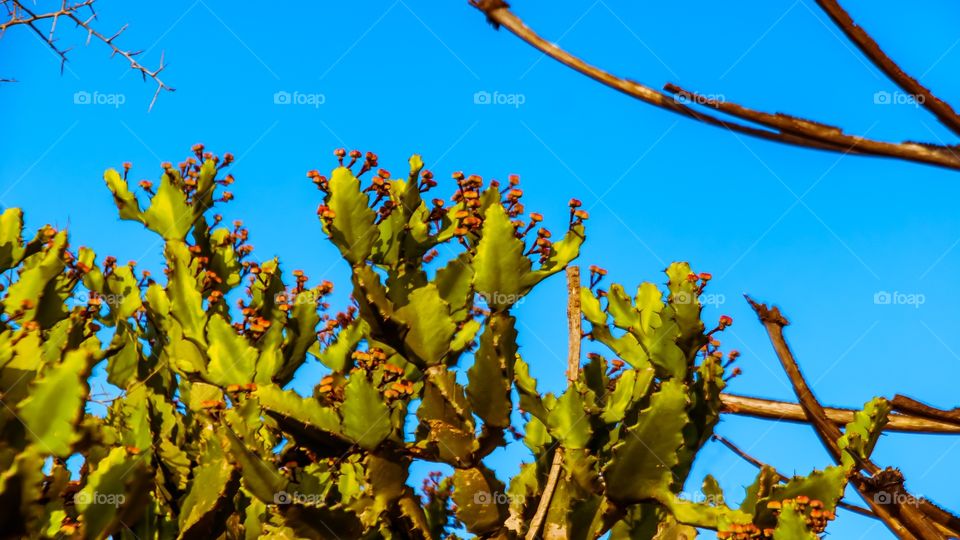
x=818 y=234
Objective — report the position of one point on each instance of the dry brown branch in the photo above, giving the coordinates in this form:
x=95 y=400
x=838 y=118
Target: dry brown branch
x=574 y=335
x=912 y=406
x=793 y=412
x=902 y=517
x=776 y=127
x=18 y=14
x=782 y=477
x=942 y=110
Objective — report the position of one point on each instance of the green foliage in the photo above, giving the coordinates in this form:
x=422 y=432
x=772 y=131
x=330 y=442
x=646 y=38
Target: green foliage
x=205 y=442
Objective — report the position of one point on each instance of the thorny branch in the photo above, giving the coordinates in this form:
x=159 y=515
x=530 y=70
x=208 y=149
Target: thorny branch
x=83 y=15
x=776 y=127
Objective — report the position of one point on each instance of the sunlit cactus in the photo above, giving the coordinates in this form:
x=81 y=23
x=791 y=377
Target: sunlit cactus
x=205 y=441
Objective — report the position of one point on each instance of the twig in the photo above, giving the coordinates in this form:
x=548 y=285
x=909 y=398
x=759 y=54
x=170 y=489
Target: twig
x=793 y=412
x=19 y=14
x=575 y=333
x=942 y=110
x=912 y=406
x=776 y=127
x=914 y=524
x=784 y=478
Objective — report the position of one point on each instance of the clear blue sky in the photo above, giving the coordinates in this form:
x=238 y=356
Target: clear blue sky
x=816 y=233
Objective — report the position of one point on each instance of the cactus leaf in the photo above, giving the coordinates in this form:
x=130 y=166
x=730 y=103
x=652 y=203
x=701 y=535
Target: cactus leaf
x=55 y=405
x=500 y=264
x=366 y=418
x=478 y=495
x=352 y=229
x=490 y=383
x=641 y=467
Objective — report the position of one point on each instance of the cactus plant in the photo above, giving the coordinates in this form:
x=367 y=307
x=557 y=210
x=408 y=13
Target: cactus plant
x=205 y=440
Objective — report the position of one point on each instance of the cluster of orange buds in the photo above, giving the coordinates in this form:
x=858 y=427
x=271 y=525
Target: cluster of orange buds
x=813 y=510
x=432 y=489
x=398 y=389
x=437 y=213
x=253 y=324
x=577 y=216
x=370 y=359
x=542 y=246
x=319 y=180
x=227 y=160
x=596 y=274
x=326 y=214
x=329 y=389
x=241 y=388
x=744 y=531
x=213 y=404
x=426 y=181
x=126 y=168
x=147 y=186
x=429 y=256
x=732 y=357
x=215 y=297
x=109 y=264
x=512 y=195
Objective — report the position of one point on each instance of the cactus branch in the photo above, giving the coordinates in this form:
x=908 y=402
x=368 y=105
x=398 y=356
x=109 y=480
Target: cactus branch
x=575 y=333
x=910 y=521
x=782 y=477
x=906 y=421
x=775 y=127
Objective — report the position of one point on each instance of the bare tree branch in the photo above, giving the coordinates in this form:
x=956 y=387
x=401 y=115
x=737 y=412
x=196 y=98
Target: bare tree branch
x=910 y=521
x=776 y=127
x=18 y=14
x=793 y=412
x=912 y=406
x=942 y=110
x=574 y=335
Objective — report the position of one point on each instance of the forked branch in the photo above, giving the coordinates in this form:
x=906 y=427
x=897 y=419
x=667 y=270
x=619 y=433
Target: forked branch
x=903 y=517
x=776 y=127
